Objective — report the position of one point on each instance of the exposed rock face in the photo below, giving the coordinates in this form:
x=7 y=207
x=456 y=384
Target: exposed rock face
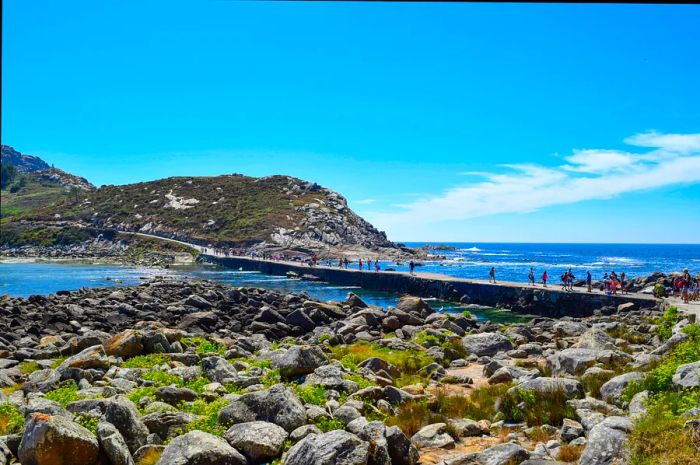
x=613 y=389
x=486 y=344
x=570 y=387
x=277 y=405
x=606 y=441
x=56 y=440
x=299 y=360
x=258 y=441
x=24 y=163
x=687 y=376
x=113 y=445
x=333 y=448
x=199 y=448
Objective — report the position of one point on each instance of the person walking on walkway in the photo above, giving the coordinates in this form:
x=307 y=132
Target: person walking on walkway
x=623 y=283
x=376 y=265
x=492 y=275
x=531 y=277
x=345 y=262
x=686 y=280
x=589 y=280
x=544 y=278
x=564 y=281
x=411 y=267
x=359 y=263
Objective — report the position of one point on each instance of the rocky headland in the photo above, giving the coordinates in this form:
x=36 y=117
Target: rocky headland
x=198 y=373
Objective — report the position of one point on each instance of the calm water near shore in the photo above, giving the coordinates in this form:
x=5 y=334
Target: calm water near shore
x=25 y=279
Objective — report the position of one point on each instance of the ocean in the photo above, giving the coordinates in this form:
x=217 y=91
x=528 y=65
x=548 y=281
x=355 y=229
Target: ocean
x=467 y=260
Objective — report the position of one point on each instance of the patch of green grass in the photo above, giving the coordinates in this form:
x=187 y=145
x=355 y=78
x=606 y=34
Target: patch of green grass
x=660 y=378
x=146 y=361
x=138 y=394
x=162 y=378
x=56 y=363
x=538 y=408
x=208 y=412
x=65 y=394
x=203 y=345
x=659 y=436
x=11 y=419
x=87 y=421
x=271 y=377
x=426 y=339
x=666 y=322
x=361 y=381
x=27 y=368
x=408 y=362
x=329 y=424
x=315 y=395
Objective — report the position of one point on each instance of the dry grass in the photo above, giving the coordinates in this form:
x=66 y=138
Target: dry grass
x=570 y=454
x=151 y=457
x=662 y=440
x=538 y=435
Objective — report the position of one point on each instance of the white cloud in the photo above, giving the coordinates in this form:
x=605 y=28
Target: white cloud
x=365 y=201
x=588 y=174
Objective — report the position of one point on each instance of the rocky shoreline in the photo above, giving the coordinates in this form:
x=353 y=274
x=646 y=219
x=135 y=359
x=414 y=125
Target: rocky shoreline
x=199 y=373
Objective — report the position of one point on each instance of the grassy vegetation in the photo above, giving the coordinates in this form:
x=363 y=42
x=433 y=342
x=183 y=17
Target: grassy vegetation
x=203 y=345
x=27 y=368
x=244 y=209
x=658 y=438
x=11 y=420
x=65 y=394
x=536 y=408
x=315 y=395
x=29 y=193
x=480 y=404
x=570 y=453
x=146 y=361
x=87 y=421
x=208 y=412
x=151 y=457
x=329 y=424
x=408 y=362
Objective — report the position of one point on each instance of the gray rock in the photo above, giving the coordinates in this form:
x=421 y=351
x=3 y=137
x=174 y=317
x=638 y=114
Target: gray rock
x=613 y=388
x=258 y=441
x=277 y=405
x=113 y=444
x=51 y=440
x=336 y=447
x=346 y=414
x=569 y=328
x=219 y=370
x=596 y=338
x=637 y=409
x=200 y=448
x=606 y=441
x=434 y=435
x=401 y=450
x=299 y=361
x=174 y=395
x=486 y=344
x=687 y=376
x=122 y=413
x=303 y=431
x=570 y=430
x=571 y=387
x=501 y=454
x=572 y=361
x=466 y=427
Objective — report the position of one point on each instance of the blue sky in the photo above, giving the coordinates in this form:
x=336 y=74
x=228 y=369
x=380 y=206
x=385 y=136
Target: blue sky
x=442 y=122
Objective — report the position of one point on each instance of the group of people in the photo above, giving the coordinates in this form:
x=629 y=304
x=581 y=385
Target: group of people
x=687 y=287
x=610 y=284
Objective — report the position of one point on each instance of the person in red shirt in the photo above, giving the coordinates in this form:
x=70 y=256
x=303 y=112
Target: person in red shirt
x=544 y=278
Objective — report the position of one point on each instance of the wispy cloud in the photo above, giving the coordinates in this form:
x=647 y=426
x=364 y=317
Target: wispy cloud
x=586 y=175
x=364 y=201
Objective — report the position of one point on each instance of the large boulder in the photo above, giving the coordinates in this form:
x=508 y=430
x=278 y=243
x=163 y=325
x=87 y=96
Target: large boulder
x=122 y=413
x=299 y=361
x=92 y=357
x=258 y=441
x=336 y=447
x=596 y=338
x=277 y=405
x=126 y=344
x=486 y=344
x=434 y=435
x=113 y=444
x=614 y=387
x=401 y=450
x=219 y=370
x=687 y=376
x=544 y=385
x=414 y=306
x=200 y=448
x=501 y=454
x=330 y=377
x=56 y=440
x=572 y=361
x=606 y=441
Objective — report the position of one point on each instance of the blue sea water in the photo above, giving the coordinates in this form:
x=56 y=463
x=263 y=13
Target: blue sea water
x=467 y=260
x=513 y=261
x=25 y=279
